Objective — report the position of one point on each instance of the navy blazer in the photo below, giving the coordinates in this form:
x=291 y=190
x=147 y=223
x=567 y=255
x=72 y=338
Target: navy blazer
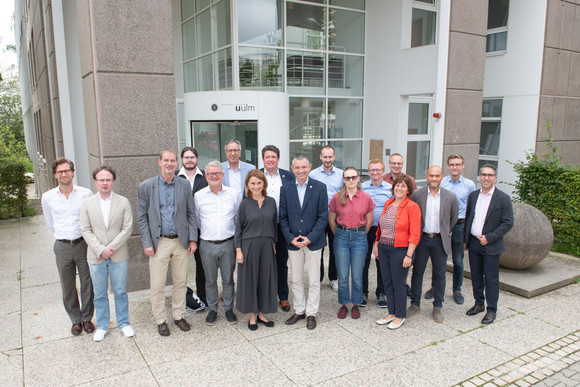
x=498 y=220
x=285 y=175
x=310 y=219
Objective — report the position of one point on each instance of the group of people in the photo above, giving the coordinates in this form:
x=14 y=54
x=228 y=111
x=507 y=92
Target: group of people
x=266 y=220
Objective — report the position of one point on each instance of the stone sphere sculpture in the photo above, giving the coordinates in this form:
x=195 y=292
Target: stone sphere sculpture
x=530 y=239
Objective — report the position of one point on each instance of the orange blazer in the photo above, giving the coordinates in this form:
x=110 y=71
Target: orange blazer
x=407 y=223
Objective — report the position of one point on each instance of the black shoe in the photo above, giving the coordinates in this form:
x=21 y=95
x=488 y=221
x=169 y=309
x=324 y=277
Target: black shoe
x=252 y=327
x=475 y=309
x=488 y=318
x=163 y=329
x=268 y=323
x=285 y=305
x=211 y=317
x=231 y=317
x=311 y=323
x=409 y=294
x=430 y=294
x=182 y=324
x=294 y=319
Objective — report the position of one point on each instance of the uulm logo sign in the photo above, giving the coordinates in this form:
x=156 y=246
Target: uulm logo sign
x=245 y=108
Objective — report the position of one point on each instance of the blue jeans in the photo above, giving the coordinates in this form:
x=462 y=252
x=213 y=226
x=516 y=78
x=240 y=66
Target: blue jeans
x=117 y=272
x=457 y=254
x=350 y=249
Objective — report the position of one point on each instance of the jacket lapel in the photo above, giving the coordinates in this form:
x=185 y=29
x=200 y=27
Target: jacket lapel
x=155 y=196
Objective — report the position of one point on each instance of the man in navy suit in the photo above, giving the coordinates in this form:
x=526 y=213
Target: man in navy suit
x=235 y=171
x=303 y=217
x=276 y=178
x=489 y=216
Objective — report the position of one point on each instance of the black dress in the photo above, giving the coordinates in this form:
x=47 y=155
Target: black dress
x=256 y=235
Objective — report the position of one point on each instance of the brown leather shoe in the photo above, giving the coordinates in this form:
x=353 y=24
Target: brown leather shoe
x=285 y=305
x=88 y=326
x=311 y=322
x=294 y=319
x=76 y=329
x=182 y=324
x=163 y=329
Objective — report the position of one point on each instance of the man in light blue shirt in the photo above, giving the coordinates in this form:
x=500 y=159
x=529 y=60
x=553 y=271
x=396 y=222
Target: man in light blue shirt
x=380 y=191
x=461 y=187
x=331 y=176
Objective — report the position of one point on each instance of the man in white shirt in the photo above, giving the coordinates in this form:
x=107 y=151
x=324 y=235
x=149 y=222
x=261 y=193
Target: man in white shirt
x=235 y=171
x=217 y=206
x=61 y=207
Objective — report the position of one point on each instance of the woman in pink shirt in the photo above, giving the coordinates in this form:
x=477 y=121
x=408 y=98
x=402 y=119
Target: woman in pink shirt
x=350 y=216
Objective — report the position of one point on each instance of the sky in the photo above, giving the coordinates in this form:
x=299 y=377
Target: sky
x=6 y=32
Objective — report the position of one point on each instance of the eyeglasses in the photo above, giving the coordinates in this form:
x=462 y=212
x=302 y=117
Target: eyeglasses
x=214 y=174
x=63 y=171
x=104 y=180
x=232 y=150
x=487 y=175
x=349 y=178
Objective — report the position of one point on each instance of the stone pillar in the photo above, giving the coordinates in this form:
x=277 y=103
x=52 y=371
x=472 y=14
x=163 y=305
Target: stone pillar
x=127 y=69
x=467 y=39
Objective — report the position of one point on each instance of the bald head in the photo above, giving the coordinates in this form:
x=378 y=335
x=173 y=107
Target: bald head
x=434 y=177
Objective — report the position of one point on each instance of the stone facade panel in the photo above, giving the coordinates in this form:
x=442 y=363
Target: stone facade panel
x=549 y=71
x=469 y=16
x=466 y=61
x=552 y=111
x=572 y=128
x=553 y=23
x=574 y=75
x=463 y=117
x=84 y=36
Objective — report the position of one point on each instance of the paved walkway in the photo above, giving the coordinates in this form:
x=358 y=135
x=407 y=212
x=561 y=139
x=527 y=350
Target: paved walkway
x=534 y=341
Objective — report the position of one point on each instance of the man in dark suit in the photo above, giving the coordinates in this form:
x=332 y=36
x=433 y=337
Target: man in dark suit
x=303 y=217
x=276 y=178
x=489 y=216
x=439 y=211
x=197 y=181
x=167 y=224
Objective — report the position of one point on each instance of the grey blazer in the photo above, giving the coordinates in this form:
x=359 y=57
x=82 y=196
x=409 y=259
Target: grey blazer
x=448 y=210
x=149 y=217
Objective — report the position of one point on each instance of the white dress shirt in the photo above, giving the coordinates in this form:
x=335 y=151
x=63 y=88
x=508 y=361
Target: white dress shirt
x=235 y=179
x=216 y=214
x=432 y=216
x=481 y=208
x=106 y=208
x=274 y=185
x=182 y=172
x=62 y=215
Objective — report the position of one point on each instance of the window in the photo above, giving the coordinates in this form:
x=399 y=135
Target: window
x=490 y=132
x=419 y=137
x=497 y=18
x=424 y=23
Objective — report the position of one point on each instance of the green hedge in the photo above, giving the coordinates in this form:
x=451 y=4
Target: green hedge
x=554 y=189
x=13 y=190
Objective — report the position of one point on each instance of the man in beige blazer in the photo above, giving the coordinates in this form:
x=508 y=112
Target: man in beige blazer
x=106 y=223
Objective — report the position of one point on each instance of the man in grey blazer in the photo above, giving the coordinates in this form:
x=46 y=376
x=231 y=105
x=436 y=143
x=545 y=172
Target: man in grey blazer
x=439 y=209
x=235 y=171
x=106 y=222
x=167 y=224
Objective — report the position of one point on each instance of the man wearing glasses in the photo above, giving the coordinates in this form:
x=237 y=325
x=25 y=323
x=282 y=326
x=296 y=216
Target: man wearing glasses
x=235 y=171
x=217 y=206
x=62 y=207
x=489 y=216
x=396 y=170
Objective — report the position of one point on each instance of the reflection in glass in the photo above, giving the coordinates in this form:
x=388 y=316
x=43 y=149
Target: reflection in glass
x=418 y=118
x=496 y=42
x=489 y=140
x=497 y=13
x=345 y=118
x=261 y=68
x=346 y=31
x=492 y=108
x=221 y=24
x=305 y=72
x=201 y=4
x=190 y=76
x=209 y=139
x=345 y=75
x=188 y=38
x=187 y=9
x=223 y=69
x=203 y=37
x=356 y=4
x=423 y=27
x=417 y=159
x=348 y=153
x=482 y=162
x=204 y=73
x=305 y=25
x=310 y=149
x=306 y=118
x=260 y=22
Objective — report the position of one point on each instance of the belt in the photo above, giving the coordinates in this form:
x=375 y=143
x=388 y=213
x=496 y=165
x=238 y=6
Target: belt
x=459 y=221
x=361 y=228
x=72 y=242
x=170 y=236
x=432 y=234
x=219 y=242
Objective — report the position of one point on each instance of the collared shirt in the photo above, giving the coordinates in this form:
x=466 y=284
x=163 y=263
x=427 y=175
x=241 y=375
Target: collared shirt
x=432 y=212
x=380 y=194
x=481 y=207
x=167 y=206
x=352 y=214
x=183 y=173
x=235 y=179
x=390 y=179
x=216 y=213
x=62 y=215
x=332 y=180
x=106 y=208
x=301 y=191
x=274 y=185
x=461 y=188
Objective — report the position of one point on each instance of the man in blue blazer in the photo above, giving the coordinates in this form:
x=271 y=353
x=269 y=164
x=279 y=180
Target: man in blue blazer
x=235 y=171
x=488 y=217
x=303 y=217
x=277 y=177
x=167 y=224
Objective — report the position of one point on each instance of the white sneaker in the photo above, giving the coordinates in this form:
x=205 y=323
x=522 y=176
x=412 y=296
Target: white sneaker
x=128 y=331
x=99 y=335
x=334 y=285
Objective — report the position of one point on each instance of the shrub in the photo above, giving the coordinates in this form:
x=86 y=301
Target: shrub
x=13 y=190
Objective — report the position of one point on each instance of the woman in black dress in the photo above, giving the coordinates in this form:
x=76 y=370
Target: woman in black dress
x=255 y=242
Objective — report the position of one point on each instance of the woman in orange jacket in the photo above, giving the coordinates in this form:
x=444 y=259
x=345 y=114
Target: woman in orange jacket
x=398 y=233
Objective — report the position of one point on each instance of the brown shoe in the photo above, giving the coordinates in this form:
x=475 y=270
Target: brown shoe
x=311 y=322
x=437 y=315
x=182 y=324
x=76 y=329
x=294 y=319
x=88 y=327
x=285 y=305
x=163 y=329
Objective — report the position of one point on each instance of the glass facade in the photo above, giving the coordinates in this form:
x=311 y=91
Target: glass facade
x=313 y=50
